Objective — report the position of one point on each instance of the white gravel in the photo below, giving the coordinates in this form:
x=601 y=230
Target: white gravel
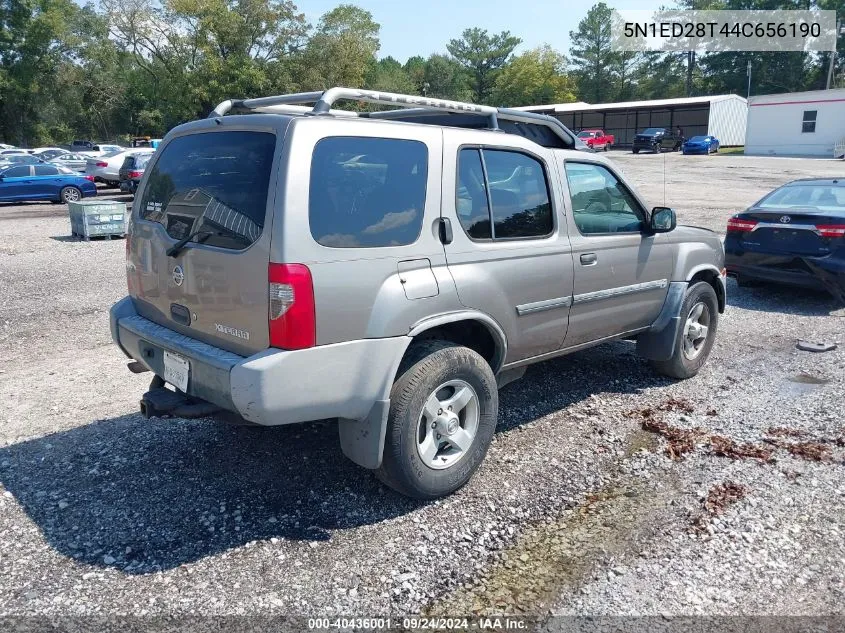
x=576 y=510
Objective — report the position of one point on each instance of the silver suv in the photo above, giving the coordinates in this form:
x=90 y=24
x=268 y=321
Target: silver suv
x=394 y=269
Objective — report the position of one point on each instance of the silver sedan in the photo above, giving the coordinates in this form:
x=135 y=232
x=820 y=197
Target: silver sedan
x=75 y=162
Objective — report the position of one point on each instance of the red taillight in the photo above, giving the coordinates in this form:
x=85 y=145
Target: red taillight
x=91 y=178
x=738 y=224
x=102 y=164
x=831 y=230
x=136 y=174
x=292 y=318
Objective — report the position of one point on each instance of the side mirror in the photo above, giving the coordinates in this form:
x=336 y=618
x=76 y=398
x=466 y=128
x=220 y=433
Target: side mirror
x=663 y=220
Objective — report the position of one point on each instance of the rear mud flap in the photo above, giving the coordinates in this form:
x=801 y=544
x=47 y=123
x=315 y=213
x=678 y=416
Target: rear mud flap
x=362 y=441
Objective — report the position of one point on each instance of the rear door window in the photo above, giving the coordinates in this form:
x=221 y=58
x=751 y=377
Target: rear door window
x=367 y=192
x=214 y=182
x=46 y=170
x=520 y=195
x=514 y=184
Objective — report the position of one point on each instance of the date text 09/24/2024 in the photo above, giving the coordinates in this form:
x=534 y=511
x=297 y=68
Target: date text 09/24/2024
x=419 y=623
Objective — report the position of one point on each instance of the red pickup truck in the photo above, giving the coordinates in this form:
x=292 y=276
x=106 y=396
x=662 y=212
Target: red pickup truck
x=596 y=139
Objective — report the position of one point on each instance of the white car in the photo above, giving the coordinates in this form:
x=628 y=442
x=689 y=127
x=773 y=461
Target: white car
x=41 y=150
x=105 y=168
x=5 y=146
x=101 y=150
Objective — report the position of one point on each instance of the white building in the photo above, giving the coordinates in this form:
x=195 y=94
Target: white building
x=722 y=116
x=796 y=124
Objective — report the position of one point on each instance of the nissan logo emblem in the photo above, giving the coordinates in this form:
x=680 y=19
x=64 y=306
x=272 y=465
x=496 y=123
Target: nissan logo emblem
x=178 y=275
x=785 y=219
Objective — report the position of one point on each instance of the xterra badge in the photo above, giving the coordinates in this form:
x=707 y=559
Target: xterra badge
x=231 y=331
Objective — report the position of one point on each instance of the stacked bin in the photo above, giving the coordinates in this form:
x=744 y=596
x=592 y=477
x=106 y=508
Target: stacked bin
x=97 y=218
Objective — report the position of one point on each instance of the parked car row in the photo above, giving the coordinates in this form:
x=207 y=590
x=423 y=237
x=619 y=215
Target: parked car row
x=45 y=172
x=653 y=139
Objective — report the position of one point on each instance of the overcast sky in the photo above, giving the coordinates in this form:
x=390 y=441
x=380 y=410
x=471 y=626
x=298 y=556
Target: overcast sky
x=423 y=27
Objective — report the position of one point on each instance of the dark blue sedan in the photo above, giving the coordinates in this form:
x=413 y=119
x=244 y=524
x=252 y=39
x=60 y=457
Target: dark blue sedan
x=43 y=182
x=795 y=236
x=700 y=145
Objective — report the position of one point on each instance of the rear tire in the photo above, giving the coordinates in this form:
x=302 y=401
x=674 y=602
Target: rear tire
x=693 y=345
x=635 y=151
x=607 y=147
x=70 y=194
x=430 y=450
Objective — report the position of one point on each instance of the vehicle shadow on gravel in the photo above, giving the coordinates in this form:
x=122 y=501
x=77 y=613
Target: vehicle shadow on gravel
x=786 y=300
x=147 y=495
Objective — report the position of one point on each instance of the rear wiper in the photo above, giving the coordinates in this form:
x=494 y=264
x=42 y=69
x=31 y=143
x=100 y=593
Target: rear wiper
x=174 y=250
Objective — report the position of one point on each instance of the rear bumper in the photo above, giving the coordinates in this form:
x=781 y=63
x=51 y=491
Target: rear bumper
x=805 y=272
x=273 y=387
x=646 y=147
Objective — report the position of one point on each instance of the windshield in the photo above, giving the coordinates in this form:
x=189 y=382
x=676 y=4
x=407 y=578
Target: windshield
x=699 y=139
x=25 y=159
x=651 y=131
x=586 y=134
x=825 y=197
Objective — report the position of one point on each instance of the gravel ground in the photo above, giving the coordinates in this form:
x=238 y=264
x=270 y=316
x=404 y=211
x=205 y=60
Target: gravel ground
x=577 y=509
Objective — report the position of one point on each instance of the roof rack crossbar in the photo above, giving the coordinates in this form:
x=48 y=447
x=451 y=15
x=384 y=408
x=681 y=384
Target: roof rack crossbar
x=408 y=104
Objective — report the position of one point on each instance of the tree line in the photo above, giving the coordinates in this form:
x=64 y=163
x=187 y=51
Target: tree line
x=138 y=67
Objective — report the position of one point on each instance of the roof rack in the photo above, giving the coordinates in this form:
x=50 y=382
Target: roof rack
x=541 y=128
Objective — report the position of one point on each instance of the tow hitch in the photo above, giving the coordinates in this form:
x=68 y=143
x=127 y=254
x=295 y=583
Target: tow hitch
x=161 y=402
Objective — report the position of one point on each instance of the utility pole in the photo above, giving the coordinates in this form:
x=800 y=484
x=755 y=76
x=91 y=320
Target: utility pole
x=690 y=66
x=748 y=93
x=840 y=28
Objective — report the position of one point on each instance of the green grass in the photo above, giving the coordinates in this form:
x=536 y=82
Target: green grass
x=732 y=151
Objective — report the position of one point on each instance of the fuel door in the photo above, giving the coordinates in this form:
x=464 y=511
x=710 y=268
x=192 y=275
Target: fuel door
x=418 y=279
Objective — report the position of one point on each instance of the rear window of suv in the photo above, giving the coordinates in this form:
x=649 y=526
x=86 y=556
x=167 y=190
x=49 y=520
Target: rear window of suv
x=367 y=192
x=215 y=182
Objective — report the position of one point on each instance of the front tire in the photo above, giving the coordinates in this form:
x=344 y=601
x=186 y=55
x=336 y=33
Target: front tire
x=70 y=194
x=443 y=411
x=635 y=151
x=700 y=319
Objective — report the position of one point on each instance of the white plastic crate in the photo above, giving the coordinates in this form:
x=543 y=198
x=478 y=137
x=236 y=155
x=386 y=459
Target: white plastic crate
x=97 y=218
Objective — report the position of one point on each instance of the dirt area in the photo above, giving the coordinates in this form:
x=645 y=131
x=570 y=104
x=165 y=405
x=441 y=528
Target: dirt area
x=608 y=490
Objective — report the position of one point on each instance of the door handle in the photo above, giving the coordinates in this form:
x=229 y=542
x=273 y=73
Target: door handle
x=445 y=230
x=589 y=259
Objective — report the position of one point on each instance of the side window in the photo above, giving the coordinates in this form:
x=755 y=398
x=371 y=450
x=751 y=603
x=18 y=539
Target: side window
x=519 y=194
x=471 y=200
x=515 y=190
x=46 y=170
x=600 y=203
x=808 y=124
x=21 y=171
x=367 y=192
